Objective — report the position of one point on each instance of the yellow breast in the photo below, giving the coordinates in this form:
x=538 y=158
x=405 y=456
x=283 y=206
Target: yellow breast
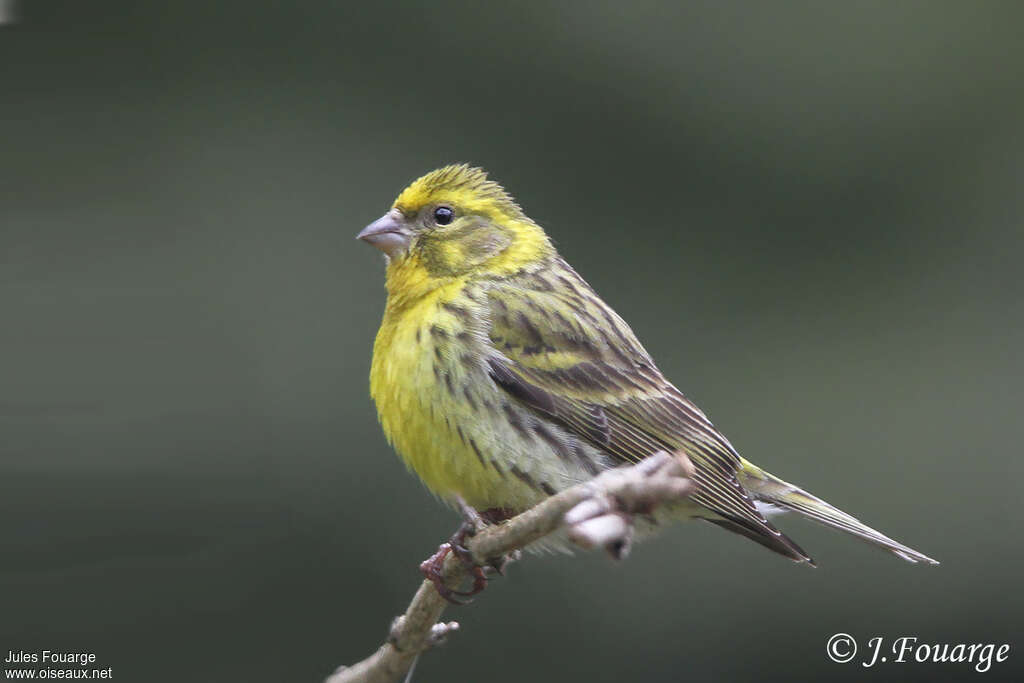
x=444 y=415
x=428 y=399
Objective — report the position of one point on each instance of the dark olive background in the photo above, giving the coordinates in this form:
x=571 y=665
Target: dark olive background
x=810 y=214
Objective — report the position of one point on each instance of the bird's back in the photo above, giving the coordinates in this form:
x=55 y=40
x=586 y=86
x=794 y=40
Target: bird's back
x=569 y=357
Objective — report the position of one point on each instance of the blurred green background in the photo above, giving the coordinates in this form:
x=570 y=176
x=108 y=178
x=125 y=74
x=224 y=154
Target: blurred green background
x=810 y=213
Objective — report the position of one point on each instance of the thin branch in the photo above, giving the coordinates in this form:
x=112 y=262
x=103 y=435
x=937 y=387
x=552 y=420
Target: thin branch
x=597 y=512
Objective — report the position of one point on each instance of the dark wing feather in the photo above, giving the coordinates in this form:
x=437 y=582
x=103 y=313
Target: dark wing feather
x=570 y=358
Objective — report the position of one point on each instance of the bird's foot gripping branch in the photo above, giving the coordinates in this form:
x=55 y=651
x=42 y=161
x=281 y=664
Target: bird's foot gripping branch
x=433 y=566
x=595 y=513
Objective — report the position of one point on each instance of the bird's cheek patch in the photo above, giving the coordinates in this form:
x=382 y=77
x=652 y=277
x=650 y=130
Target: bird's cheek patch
x=483 y=244
x=456 y=251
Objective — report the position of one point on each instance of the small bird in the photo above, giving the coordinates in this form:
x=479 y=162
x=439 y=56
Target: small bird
x=501 y=377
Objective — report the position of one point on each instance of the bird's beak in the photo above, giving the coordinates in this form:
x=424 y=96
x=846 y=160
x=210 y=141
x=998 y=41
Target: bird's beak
x=388 y=233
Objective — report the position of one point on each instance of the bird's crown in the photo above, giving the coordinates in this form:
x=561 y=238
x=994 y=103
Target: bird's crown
x=459 y=184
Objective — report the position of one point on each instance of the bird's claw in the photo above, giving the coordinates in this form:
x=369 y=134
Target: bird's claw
x=432 y=567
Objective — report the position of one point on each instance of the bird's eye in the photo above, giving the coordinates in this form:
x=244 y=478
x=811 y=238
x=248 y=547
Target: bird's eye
x=443 y=215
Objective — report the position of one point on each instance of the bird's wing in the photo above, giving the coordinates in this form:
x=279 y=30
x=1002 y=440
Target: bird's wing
x=564 y=353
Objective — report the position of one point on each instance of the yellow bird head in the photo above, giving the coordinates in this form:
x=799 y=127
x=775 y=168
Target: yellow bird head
x=454 y=222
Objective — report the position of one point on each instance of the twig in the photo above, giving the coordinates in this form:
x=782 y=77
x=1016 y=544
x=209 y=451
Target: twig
x=597 y=512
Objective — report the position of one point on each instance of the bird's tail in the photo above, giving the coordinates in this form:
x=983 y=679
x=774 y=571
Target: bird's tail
x=774 y=492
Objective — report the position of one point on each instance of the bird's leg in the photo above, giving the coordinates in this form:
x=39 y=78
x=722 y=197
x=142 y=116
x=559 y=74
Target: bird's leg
x=478 y=520
x=433 y=565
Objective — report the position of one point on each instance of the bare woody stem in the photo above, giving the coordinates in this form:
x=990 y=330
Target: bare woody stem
x=596 y=513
